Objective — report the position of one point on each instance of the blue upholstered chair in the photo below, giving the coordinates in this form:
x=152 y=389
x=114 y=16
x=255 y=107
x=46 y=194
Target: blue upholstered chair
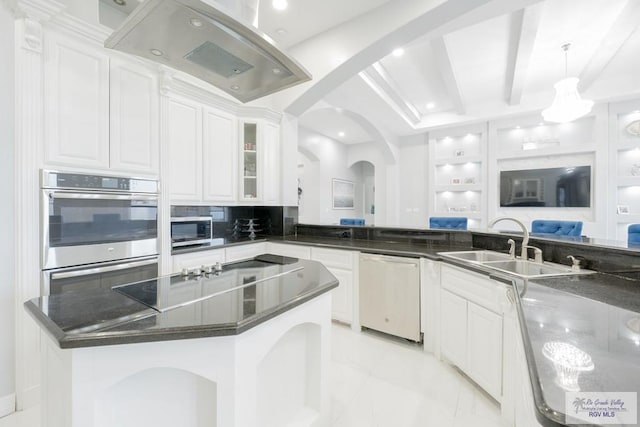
x=351 y=221
x=453 y=223
x=634 y=233
x=550 y=226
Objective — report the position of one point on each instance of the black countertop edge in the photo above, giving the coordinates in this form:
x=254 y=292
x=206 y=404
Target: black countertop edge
x=104 y=337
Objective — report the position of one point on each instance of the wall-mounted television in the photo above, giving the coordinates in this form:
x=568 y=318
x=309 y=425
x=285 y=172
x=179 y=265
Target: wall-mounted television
x=566 y=187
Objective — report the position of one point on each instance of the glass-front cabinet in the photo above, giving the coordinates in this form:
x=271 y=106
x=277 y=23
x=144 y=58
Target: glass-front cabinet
x=249 y=182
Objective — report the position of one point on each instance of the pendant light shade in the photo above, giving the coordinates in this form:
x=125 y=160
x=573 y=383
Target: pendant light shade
x=567 y=104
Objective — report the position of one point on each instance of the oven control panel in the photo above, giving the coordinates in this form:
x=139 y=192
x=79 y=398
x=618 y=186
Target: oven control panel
x=77 y=181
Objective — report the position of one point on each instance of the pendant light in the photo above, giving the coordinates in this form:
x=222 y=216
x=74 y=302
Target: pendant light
x=567 y=104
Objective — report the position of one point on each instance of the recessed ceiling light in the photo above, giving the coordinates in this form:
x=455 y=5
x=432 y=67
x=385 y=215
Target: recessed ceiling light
x=279 y=4
x=195 y=22
x=281 y=31
x=398 y=52
x=430 y=105
x=276 y=71
x=120 y=2
x=540 y=124
x=235 y=87
x=341 y=134
x=518 y=127
x=156 y=52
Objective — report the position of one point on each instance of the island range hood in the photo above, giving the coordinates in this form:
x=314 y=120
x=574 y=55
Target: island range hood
x=201 y=39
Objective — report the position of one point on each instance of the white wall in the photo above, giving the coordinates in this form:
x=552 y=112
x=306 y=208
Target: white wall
x=7 y=323
x=316 y=203
x=413 y=177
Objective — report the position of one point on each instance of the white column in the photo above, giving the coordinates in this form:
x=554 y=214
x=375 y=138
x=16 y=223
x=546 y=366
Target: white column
x=29 y=113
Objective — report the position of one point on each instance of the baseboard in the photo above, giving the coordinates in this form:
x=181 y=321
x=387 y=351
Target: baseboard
x=7 y=404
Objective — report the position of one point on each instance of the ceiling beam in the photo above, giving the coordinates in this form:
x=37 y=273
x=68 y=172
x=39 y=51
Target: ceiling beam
x=379 y=80
x=627 y=22
x=523 y=31
x=443 y=63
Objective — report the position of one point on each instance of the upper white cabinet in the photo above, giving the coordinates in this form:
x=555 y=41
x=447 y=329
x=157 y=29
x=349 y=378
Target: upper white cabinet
x=259 y=162
x=272 y=154
x=134 y=114
x=184 y=137
x=101 y=112
x=202 y=145
x=76 y=89
x=219 y=156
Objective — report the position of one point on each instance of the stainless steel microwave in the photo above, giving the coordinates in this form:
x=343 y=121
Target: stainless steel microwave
x=191 y=230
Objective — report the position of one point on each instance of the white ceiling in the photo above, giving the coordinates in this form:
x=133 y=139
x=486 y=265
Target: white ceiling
x=503 y=66
x=306 y=18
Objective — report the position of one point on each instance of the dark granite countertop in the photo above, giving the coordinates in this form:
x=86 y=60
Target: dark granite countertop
x=242 y=296
x=596 y=318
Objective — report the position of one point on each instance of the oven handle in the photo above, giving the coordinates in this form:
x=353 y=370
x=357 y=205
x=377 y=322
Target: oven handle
x=98 y=270
x=107 y=196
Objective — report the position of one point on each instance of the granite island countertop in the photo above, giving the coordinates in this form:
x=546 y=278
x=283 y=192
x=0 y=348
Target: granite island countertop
x=240 y=297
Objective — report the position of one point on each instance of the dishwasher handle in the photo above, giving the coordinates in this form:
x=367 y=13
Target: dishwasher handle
x=389 y=260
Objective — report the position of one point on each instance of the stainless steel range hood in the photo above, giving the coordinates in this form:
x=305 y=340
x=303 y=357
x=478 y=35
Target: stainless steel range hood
x=195 y=37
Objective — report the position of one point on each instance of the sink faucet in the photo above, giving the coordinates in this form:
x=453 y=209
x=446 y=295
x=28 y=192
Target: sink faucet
x=525 y=233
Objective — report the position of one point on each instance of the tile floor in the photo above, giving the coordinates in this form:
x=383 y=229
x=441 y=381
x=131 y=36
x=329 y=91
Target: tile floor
x=379 y=381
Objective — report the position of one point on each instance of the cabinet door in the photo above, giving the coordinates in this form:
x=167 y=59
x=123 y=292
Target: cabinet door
x=484 y=335
x=185 y=150
x=76 y=90
x=294 y=251
x=341 y=308
x=271 y=164
x=134 y=112
x=241 y=252
x=250 y=167
x=453 y=328
x=220 y=151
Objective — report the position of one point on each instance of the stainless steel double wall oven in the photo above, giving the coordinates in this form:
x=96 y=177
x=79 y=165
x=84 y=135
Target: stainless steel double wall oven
x=97 y=231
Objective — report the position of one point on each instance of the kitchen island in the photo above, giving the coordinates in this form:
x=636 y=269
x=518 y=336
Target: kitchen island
x=205 y=350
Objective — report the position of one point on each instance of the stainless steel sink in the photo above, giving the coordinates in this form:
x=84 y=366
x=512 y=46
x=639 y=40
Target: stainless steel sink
x=516 y=267
x=531 y=269
x=476 y=256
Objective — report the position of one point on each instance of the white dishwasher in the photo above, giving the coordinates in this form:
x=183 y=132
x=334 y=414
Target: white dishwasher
x=390 y=295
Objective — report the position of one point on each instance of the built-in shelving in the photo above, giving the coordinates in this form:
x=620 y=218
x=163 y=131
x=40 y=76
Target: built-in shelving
x=458 y=177
x=624 y=164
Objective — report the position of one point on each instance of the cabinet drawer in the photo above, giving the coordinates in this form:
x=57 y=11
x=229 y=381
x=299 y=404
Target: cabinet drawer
x=295 y=251
x=473 y=287
x=333 y=257
x=241 y=252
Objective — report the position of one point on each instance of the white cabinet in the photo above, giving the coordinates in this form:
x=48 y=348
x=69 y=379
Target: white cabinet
x=202 y=144
x=134 y=118
x=453 y=340
x=259 y=169
x=241 y=252
x=76 y=90
x=484 y=344
x=101 y=112
x=197 y=259
x=294 y=251
x=343 y=265
x=471 y=326
x=185 y=150
x=271 y=169
x=219 y=156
